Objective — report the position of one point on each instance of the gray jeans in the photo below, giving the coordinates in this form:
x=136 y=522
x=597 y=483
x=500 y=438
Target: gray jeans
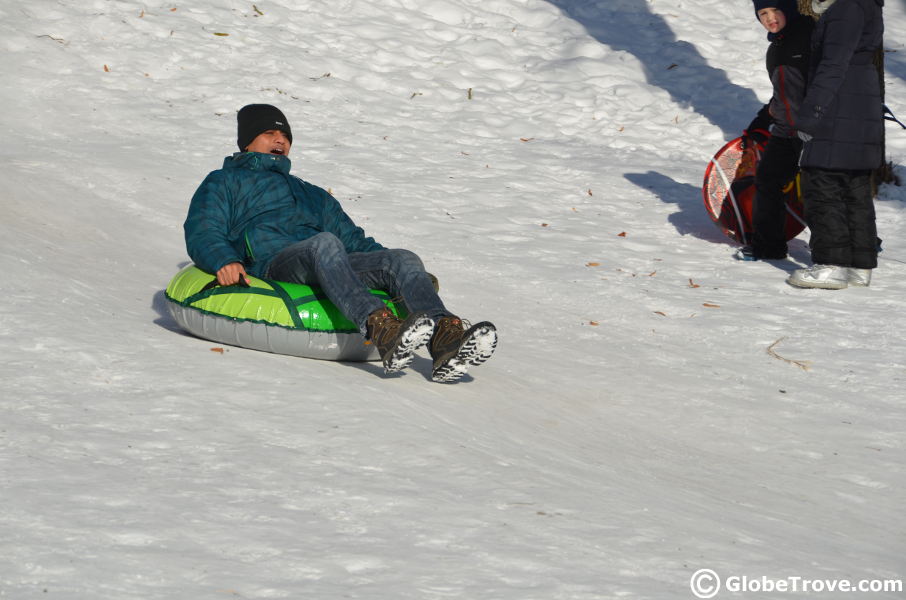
x=345 y=278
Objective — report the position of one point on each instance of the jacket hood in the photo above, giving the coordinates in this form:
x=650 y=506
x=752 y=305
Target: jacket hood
x=257 y=161
x=789 y=8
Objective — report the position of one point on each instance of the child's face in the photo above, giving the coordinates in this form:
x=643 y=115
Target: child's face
x=773 y=19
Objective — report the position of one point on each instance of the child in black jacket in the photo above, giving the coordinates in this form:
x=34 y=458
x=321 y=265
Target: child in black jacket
x=787 y=63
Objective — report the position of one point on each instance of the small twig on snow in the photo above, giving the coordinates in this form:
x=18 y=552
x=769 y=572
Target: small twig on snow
x=56 y=39
x=802 y=364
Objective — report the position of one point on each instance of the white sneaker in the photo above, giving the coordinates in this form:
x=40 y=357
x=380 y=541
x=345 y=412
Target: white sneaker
x=859 y=277
x=825 y=277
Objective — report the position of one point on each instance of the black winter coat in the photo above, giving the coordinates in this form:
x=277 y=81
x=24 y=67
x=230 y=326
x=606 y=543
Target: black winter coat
x=787 y=61
x=842 y=109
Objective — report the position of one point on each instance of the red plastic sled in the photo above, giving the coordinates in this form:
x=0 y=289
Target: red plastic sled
x=729 y=192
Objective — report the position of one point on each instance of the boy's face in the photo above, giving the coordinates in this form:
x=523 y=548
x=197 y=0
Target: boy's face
x=773 y=19
x=272 y=141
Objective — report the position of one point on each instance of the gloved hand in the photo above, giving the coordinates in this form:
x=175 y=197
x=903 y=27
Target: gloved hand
x=754 y=138
x=804 y=136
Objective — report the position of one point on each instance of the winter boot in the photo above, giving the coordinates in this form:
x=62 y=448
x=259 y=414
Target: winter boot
x=455 y=348
x=825 y=277
x=746 y=253
x=859 y=277
x=750 y=253
x=397 y=340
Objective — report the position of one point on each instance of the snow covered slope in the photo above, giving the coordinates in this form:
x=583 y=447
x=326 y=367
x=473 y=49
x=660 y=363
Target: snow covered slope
x=654 y=406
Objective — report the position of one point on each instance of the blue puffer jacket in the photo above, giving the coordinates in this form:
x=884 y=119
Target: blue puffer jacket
x=252 y=208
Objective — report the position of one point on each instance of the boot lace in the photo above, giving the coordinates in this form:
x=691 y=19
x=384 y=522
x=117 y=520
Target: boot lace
x=449 y=329
x=382 y=327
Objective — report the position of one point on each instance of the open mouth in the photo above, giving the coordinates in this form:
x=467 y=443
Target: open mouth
x=277 y=151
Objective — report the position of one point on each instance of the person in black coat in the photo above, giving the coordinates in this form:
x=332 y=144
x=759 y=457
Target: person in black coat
x=787 y=63
x=841 y=121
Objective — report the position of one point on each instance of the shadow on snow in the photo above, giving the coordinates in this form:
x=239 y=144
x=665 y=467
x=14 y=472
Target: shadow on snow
x=692 y=218
x=691 y=82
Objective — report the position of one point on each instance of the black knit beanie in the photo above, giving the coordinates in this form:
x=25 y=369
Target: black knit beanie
x=790 y=8
x=255 y=119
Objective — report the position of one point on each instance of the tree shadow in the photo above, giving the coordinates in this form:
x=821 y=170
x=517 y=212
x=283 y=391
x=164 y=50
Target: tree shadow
x=895 y=66
x=674 y=65
x=692 y=218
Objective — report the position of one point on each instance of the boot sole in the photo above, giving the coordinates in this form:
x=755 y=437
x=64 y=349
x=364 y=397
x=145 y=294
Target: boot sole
x=480 y=343
x=817 y=285
x=414 y=336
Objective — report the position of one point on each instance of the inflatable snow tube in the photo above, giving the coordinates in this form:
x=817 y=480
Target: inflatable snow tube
x=272 y=316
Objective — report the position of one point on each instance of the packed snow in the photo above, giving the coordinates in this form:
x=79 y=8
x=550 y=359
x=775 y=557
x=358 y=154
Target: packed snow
x=654 y=407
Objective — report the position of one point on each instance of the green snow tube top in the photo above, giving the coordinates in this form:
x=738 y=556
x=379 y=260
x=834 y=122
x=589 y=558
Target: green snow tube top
x=273 y=316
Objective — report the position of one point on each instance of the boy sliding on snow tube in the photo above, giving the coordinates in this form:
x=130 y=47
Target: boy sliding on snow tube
x=253 y=215
x=787 y=63
x=841 y=121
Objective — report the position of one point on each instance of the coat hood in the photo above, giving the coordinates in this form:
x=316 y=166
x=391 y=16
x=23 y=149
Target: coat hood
x=789 y=8
x=257 y=161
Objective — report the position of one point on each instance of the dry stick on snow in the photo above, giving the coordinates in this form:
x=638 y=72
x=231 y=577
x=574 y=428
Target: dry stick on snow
x=802 y=364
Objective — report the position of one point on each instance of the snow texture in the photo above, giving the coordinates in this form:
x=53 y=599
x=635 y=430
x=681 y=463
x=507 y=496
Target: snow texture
x=654 y=407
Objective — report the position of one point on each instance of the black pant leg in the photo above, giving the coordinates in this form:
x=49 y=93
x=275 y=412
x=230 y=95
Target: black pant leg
x=826 y=213
x=861 y=215
x=777 y=167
